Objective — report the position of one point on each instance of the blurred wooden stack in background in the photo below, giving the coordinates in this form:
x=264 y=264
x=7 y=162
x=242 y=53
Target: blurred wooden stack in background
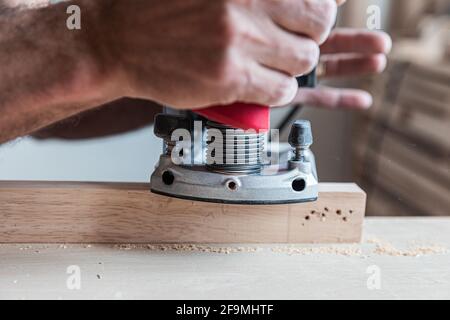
x=401 y=149
x=406 y=15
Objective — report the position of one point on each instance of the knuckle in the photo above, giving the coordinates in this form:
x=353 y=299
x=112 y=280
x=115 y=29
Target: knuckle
x=314 y=55
x=283 y=91
x=322 y=17
x=226 y=72
x=331 y=15
x=228 y=31
x=328 y=10
x=245 y=85
x=307 y=58
x=329 y=7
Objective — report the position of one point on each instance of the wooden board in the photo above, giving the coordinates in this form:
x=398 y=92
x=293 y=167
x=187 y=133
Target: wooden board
x=49 y=212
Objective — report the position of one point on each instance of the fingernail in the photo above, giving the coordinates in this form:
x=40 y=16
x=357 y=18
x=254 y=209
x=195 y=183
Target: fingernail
x=366 y=100
x=388 y=43
x=382 y=63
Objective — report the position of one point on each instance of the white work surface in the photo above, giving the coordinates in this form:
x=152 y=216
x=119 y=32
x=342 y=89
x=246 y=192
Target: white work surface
x=107 y=272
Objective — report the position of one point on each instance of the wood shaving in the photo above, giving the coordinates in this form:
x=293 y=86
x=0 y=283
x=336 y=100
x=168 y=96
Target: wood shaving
x=381 y=248
x=410 y=252
x=341 y=250
x=187 y=248
x=386 y=248
x=345 y=251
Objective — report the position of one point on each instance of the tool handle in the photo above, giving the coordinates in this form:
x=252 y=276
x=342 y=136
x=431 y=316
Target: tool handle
x=249 y=116
x=239 y=115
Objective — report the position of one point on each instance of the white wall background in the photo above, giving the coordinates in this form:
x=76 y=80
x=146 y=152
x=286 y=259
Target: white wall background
x=128 y=157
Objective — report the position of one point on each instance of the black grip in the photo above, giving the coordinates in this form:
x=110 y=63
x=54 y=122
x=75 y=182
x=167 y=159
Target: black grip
x=308 y=80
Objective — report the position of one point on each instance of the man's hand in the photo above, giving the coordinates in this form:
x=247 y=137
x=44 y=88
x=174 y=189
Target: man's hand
x=347 y=53
x=196 y=53
x=184 y=53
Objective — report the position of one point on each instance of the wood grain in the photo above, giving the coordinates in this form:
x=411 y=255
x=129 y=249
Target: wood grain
x=55 y=212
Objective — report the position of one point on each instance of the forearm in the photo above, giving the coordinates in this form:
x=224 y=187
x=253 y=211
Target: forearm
x=117 y=117
x=47 y=72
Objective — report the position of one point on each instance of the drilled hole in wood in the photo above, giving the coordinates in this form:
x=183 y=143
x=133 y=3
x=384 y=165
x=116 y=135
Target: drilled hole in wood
x=307 y=218
x=338 y=212
x=326 y=209
x=345 y=219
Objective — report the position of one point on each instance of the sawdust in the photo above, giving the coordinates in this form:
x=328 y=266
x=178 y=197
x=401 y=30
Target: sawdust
x=353 y=250
x=410 y=252
x=385 y=248
x=187 y=248
x=381 y=248
x=371 y=246
x=344 y=250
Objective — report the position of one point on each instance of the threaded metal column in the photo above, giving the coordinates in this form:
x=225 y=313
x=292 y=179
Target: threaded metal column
x=241 y=150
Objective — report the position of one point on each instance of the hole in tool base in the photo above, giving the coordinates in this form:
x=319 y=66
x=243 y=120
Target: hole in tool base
x=232 y=185
x=168 y=178
x=299 y=185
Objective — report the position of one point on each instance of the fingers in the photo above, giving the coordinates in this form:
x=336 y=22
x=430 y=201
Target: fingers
x=288 y=41
x=365 y=51
x=267 y=87
x=352 y=66
x=311 y=18
x=357 y=41
x=332 y=98
x=272 y=41
x=287 y=53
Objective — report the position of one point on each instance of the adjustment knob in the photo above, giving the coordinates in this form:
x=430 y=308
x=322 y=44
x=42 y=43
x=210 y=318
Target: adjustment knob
x=300 y=136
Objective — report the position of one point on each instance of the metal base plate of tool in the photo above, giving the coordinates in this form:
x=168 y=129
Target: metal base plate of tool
x=243 y=180
x=271 y=186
